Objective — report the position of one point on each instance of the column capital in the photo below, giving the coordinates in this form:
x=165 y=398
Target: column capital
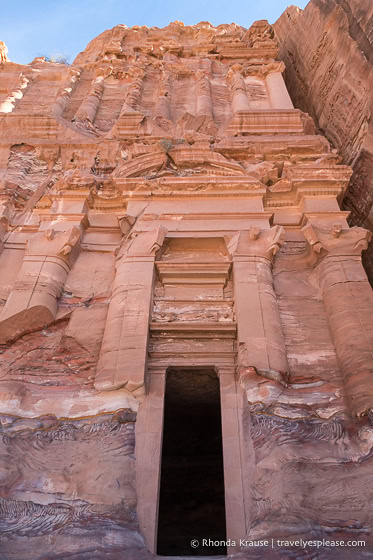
x=263 y=70
x=142 y=244
x=256 y=242
x=336 y=241
x=235 y=78
x=50 y=243
x=32 y=303
x=201 y=76
x=234 y=69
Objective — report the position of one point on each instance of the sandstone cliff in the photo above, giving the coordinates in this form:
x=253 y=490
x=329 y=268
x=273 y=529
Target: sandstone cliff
x=328 y=52
x=163 y=204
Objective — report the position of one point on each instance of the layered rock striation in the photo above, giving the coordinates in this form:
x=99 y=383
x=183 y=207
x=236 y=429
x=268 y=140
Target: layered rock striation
x=163 y=205
x=328 y=52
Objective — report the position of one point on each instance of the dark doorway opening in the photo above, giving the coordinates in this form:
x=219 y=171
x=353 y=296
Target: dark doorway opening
x=191 y=505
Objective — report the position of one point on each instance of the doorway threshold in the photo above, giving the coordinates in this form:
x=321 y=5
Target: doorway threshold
x=191 y=557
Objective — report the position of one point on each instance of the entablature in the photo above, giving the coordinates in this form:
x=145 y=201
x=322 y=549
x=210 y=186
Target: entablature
x=193 y=272
x=244 y=53
x=193 y=187
x=193 y=330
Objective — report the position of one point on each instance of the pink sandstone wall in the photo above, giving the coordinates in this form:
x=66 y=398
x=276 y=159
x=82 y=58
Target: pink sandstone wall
x=163 y=204
x=328 y=52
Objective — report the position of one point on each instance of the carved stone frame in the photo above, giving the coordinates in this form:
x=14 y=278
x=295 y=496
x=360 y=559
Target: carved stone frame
x=149 y=433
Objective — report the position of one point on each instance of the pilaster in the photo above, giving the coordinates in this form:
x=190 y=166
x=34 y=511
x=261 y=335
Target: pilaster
x=89 y=106
x=204 y=102
x=123 y=356
x=348 y=300
x=277 y=91
x=259 y=332
x=33 y=301
x=240 y=101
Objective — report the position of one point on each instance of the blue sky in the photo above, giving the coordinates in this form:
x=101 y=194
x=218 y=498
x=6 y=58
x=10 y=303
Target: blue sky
x=64 y=27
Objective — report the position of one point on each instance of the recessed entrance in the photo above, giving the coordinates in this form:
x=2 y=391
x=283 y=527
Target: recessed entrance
x=192 y=502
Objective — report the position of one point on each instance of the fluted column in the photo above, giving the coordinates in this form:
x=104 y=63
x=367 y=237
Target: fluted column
x=259 y=332
x=123 y=355
x=64 y=94
x=33 y=301
x=240 y=100
x=204 y=101
x=348 y=300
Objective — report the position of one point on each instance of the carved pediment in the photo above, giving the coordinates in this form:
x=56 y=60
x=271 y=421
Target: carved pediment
x=141 y=166
x=182 y=160
x=203 y=160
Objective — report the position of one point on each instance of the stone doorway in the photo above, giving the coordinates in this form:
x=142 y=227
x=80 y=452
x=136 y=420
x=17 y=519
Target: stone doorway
x=192 y=498
x=149 y=436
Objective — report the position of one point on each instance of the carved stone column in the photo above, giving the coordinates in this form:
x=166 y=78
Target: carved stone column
x=277 y=91
x=204 y=102
x=235 y=468
x=130 y=118
x=348 y=300
x=134 y=91
x=64 y=94
x=5 y=214
x=259 y=332
x=123 y=354
x=149 y=435
x=3 y=53
x=89 y=106
x=33 y=301
x=163 y=103
x=9 y=103
x=240 y=101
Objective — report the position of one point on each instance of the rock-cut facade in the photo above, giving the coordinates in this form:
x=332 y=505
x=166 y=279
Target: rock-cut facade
x=164 y=207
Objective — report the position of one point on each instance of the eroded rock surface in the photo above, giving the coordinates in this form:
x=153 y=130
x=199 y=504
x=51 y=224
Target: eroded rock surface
x=163 y=204
x=328 y=51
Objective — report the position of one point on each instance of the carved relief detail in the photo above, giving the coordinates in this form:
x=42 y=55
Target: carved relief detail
x=337 y=241
x=134 y=91
x=52 y=243
x=33 y=301
x=64 y=94
x=142 y=244
x=257 y=243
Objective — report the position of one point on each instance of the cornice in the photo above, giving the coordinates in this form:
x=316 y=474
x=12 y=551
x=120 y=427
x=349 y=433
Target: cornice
x=213 y=216
x=197 y=186
x=310 y=217
x=193 y=273
x=184 y=329
x=242 y=52
x=270 y=121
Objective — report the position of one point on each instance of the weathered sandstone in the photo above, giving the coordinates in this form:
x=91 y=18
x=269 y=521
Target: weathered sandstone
x=328 y=52
x=165 y=210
